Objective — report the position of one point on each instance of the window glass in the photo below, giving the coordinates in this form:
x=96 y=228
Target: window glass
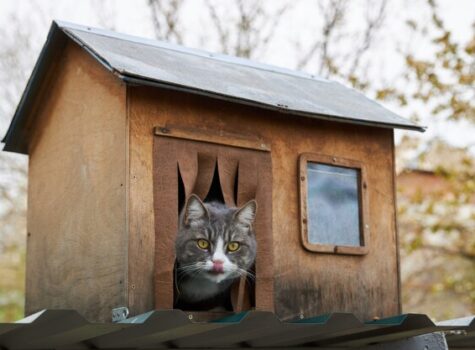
x=333 y=205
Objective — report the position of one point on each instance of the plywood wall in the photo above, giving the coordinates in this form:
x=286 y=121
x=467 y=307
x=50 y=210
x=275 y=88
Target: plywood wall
x=306 y=283
x=77 y=233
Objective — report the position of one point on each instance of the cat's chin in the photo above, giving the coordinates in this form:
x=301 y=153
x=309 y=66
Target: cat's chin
x=218 y=277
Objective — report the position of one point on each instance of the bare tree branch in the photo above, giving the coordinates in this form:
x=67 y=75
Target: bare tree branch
x=165 y=16
x=249 y=31
x=333 y=14
x=372 y=25
x=223 y=33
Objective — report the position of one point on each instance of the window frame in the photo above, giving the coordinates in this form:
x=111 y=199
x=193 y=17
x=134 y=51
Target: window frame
x=363 y=204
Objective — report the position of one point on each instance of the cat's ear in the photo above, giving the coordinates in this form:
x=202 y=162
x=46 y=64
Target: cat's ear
x=246 y=214
x=195 y=211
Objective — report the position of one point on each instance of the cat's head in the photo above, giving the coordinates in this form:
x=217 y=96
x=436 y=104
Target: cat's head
x=215 y=241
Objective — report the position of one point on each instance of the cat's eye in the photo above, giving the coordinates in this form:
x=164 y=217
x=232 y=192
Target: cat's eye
x=203 y=243
x=233 y=246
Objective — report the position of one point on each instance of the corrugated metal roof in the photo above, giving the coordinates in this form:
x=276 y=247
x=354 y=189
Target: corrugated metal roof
x=174 y=329
x=149 y=62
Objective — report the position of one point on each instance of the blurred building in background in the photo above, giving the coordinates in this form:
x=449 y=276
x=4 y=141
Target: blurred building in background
x=437 y=229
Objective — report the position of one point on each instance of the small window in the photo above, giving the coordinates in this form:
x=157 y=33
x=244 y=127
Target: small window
x=333 y=205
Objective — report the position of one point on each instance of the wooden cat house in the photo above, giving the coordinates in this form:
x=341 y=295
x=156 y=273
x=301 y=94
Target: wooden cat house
x=120 y=130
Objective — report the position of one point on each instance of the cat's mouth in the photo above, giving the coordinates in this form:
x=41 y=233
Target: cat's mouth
x=215 y=272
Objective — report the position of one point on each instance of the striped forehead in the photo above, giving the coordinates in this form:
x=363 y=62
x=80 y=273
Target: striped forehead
x=219 y=229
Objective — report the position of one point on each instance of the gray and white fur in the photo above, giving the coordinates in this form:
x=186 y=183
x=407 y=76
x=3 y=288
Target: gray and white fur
x=202 y=274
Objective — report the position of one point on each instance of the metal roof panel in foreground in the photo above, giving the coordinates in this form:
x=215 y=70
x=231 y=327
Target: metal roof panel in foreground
x=463 y=334
x=173 y=329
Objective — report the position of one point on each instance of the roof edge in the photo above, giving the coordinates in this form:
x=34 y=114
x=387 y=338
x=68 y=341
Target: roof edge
x=64 y=25
x=15 y=139
x=18 y=133
x=137 y=80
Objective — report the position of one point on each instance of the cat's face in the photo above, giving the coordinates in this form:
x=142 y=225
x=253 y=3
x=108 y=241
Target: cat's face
x=214 y=241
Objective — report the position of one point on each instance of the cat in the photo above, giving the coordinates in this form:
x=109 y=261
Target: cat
x=215 y=245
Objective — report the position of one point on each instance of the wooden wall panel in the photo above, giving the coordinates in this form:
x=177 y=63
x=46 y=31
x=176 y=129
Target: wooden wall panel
x=306 y=283
x=77 y=234
x=140 y=211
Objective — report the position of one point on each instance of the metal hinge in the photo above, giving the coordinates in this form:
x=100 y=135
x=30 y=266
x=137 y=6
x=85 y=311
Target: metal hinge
x=120 y=314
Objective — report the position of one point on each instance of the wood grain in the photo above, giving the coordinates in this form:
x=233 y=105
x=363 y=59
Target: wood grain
x=77 y=241
x=165 y=192
x=304 y=282
x=228 y=171
x=221 y=137
x=91 y=222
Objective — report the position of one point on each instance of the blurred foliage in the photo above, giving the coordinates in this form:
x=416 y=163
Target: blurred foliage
x=444 y=83
x=12 y=286
x=437 y=223
x=437 y=216
x=15 y=65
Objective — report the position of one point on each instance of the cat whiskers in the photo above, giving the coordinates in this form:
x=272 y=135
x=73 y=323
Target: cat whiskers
x=187 y=269
x=244 y=273
x=184 y=270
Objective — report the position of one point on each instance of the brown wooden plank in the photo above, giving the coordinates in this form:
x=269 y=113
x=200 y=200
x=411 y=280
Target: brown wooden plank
x=396 y=227
x=240 y=295
x=228 y=171
x=265 y=298
x=141 y=252
x=247 y=180
x=221 y=137
x=204 y=177
x=188 y=165
x=166 y=218
x=77 y=241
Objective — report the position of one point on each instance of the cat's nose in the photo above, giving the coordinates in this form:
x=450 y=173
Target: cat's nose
x=218 y=265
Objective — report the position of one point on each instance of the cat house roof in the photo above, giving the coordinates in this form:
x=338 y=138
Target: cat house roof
x=149 y=62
